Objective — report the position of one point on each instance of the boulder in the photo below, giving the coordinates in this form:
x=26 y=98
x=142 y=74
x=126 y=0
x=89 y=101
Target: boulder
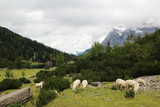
x=22 y=95
x=99 y=84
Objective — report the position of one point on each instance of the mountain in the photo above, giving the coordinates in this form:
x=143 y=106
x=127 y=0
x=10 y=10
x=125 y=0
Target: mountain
x=15 y=48
x=86 y=51
x=119 y=34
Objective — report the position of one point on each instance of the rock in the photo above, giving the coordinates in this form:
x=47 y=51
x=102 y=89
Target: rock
x=99 y=84
x=22 y=95
x=109 y=99
x=152 y=80
x=91 y=87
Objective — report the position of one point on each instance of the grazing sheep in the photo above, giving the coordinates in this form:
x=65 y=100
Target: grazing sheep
x=56 y=92
x=39 y=85
x=76 y=83
x=120 y=84
x=85 y=84
x=133 y=84
x=141 y=81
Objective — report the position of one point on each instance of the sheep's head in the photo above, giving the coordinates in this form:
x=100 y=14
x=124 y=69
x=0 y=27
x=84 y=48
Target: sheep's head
x=74 y=88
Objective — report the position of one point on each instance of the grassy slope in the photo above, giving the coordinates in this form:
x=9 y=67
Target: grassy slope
x=99 y=97
x=104 y=97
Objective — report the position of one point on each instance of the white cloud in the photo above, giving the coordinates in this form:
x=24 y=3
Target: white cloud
x=73 y=25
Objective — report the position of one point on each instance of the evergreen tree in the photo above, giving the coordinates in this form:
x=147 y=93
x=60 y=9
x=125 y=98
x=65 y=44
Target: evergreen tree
x=59 y=60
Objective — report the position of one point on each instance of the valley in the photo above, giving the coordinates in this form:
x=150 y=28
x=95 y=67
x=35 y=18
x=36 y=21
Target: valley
x=98 y=96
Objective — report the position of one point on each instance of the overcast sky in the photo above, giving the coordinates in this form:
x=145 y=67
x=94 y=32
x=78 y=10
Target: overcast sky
x=74 y=25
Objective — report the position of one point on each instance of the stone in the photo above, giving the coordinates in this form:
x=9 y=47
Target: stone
x=22 y=95
x=99 y=84
x=91 y=87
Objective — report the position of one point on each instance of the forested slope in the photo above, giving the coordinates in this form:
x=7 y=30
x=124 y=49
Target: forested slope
x=15 y=48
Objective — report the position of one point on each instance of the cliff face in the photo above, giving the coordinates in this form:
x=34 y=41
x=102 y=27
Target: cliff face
x=119 y=34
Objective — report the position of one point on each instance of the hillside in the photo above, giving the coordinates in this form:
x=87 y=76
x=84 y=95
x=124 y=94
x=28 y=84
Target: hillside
x=15 y=48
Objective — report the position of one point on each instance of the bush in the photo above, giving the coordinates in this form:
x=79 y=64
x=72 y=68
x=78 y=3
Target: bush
x=129 y=94
x=42 y=75
x=37 y=80
x=114 y=87
x=45 y=96
x=145 y=68
x=60 y=71
x=24 y=80
x=127 y=77
x=8 y=73
x=78 y=91
x=10 y=84
x=56 y=83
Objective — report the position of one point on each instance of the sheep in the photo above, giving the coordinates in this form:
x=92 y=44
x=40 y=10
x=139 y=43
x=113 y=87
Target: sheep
x=39 y=85
x=85 y=84
x=56 y=92
x=141 y=81
x=76 y=83
x=120 y=84
x=133 y=84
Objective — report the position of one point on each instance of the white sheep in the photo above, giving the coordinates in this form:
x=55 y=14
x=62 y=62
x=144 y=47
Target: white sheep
x=39 y=85
x=76 y=83
x=57 y=93
x=141 y=81
x=120 y=84
x=132 y=84
x=84 y=84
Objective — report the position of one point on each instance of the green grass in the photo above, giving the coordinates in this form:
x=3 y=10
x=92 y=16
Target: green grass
x=100 y=97
x=104 y=97
x=18 y=73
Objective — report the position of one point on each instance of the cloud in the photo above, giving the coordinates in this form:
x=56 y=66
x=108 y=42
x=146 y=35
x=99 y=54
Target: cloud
x=74 y=25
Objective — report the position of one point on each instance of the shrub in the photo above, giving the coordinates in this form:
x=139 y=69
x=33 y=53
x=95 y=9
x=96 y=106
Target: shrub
x=114 y=87
x=78 y=77
x=24 y=80
x=42 y=75
x=60 y=71
x=78 y=91
x=8 y=73
x=23 y=73
x=45 y=96
x=37 y=80
x=129 y=94
x=145 y=68
x=10 y=84
x=56 y=83
x=127 y=77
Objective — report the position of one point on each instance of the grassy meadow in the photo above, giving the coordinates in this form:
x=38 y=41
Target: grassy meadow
x=104 y=97
x=91 y=97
